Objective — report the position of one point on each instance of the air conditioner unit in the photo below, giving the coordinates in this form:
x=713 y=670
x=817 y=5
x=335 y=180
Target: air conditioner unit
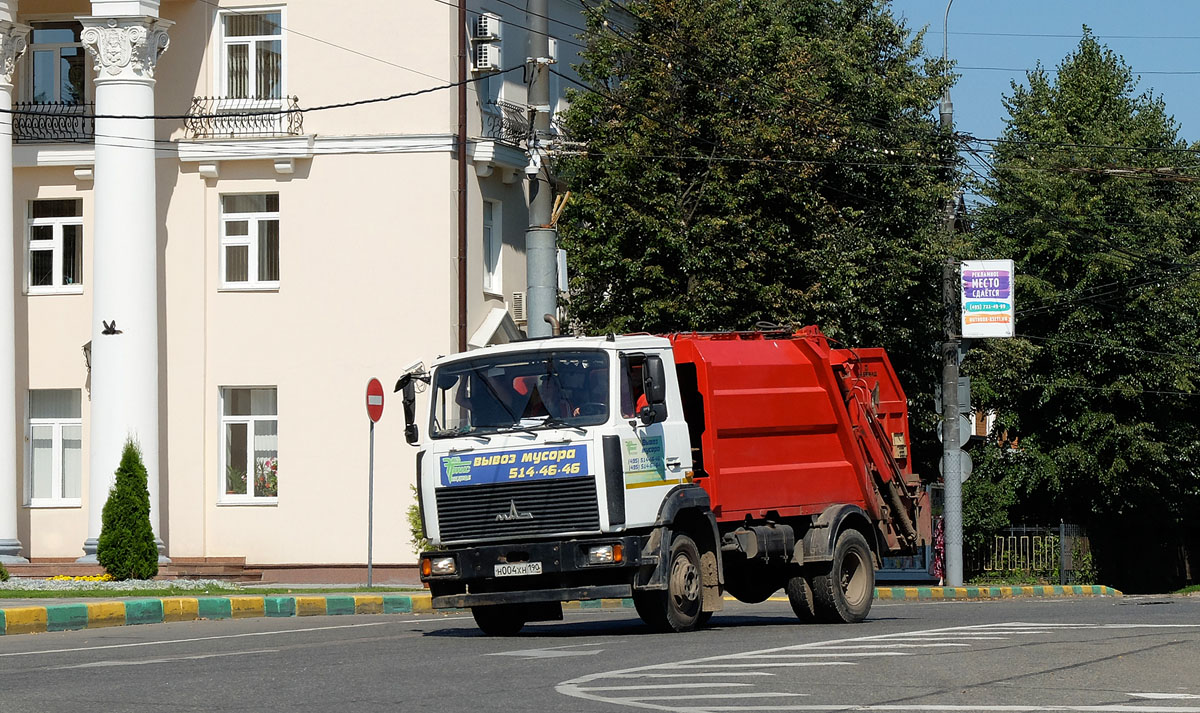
x=487 y=27
x=516 y=308
x=486 y=57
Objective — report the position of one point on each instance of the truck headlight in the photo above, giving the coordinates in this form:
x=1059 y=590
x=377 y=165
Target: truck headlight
x=604 y=554
x=438 y=566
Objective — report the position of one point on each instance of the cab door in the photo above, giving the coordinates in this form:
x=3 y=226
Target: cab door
x=654 y=457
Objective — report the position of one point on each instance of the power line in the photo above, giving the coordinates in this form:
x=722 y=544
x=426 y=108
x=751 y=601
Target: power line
x=1137 y=350
x=269 y=112
x=1052 y=70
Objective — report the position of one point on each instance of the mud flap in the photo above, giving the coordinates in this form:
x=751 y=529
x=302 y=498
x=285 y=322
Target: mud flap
x=712 y=600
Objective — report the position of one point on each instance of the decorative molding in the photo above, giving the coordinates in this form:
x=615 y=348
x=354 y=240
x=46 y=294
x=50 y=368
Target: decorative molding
x=209 y=170
x=125 y=47
x=208 y=151
x=285 y=166
x=14 y=39
x=85 y=173
x=29 y=155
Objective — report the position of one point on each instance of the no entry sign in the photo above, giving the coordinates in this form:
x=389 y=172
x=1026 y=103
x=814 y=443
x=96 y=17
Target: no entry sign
x=374 y=400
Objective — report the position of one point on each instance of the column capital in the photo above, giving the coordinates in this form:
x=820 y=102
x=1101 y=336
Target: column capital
x=125 y=47
x=14 y=38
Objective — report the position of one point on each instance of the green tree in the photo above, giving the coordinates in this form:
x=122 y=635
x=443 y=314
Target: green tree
x=750 y=160
x=1093 y=196
x=126 y=548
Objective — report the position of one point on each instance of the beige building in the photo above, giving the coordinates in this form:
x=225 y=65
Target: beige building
x=220 y=283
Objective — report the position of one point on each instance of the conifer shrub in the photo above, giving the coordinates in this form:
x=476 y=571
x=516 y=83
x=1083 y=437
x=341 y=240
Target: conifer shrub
x=3 y=573
x=126 y=548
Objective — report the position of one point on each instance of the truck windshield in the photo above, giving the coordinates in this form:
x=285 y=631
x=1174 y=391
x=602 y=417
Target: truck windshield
x=524 y=391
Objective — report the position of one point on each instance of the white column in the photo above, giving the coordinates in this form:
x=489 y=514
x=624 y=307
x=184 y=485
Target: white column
x=12 y=44
x=125 y=394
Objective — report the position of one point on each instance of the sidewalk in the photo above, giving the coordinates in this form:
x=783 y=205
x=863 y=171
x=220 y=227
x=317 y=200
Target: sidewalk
x=29 y=616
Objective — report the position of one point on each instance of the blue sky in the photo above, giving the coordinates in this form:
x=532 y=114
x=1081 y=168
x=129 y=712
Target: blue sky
x=1159 y=39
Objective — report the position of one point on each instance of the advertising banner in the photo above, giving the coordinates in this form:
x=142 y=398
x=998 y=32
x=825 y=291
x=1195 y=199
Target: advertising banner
x=987 y=299
x=514 y=466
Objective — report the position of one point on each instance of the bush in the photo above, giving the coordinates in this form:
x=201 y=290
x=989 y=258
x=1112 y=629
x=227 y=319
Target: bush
x=126 y=548
x=416 y=527
x=3 y=573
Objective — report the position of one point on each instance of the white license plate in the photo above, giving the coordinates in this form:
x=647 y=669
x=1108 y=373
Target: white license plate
x=517 y=569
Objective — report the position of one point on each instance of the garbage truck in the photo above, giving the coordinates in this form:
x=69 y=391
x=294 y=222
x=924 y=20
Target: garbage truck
x=672 y=470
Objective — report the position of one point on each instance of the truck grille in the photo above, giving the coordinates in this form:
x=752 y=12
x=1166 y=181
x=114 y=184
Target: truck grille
x=556 y=506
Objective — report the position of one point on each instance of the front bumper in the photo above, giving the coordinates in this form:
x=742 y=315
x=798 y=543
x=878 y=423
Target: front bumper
x=566 y=574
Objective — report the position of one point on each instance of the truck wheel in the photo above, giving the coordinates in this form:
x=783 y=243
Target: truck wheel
x=498 y=619
x=800 y=596
x=677 y=608
x=843 y=593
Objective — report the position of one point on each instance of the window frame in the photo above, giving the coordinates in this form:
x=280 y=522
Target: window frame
x=28 y=73
x=55 y=249
x=247 y=498
x=56 y=500
x=222 y=42
x=492 y=238
x=250 y=240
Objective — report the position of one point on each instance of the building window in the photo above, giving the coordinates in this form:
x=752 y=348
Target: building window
x=249 y=444
x=55 y=254
x=55 y=453
x=250 y=241
x=493 y=239
x=252 y=55
x=57 y=72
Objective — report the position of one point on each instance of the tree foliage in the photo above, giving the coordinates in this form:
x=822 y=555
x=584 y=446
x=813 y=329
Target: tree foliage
x=758 y=160
x=126 y=548
x=1093 y=196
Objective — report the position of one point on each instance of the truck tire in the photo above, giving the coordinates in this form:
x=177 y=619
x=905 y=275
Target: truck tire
x=498 y=619
x=678 y=607
x=800 y=596
x=843 y=593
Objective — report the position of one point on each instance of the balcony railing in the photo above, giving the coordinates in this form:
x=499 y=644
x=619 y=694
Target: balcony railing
x=223 y=117
x=506 y=122
x=53 y=122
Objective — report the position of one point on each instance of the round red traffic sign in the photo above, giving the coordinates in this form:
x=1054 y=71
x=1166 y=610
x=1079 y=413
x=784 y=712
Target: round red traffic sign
x=374 y=400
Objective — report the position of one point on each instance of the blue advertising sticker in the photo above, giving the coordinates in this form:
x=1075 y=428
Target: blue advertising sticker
x=515 y=466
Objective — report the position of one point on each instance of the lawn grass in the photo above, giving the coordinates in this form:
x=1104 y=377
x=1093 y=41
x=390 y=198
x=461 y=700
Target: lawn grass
x=184 y=592
x=1194 y=589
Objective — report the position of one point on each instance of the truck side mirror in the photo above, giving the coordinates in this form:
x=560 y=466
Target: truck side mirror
x=409 y=399
x=655 y=385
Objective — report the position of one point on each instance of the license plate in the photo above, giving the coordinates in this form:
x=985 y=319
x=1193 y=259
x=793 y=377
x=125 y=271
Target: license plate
x=517 y=569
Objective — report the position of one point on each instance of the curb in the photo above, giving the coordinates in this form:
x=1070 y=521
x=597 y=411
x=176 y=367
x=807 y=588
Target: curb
x=1075 y=590
x=95 y=615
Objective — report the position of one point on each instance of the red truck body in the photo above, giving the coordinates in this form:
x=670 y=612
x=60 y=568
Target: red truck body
x=792 y=426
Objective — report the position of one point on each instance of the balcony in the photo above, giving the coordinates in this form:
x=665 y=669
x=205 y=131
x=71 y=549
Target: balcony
x=506 y=123
x=225 y=117
x=53 y=122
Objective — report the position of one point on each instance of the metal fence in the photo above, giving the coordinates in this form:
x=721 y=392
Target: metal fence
x=506 y=122
x=1052 y=553
x=53 y=122
x=224 y=117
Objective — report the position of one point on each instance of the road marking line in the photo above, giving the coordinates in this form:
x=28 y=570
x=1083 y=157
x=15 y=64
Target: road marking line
x=172 y=659
x=766 y=663
x=892 y=646
x=859 y=654
x=1030 y=708
x=230 y=636
x=697 y=675
x=739 y=694
x=663 y=685
x=1164 y=696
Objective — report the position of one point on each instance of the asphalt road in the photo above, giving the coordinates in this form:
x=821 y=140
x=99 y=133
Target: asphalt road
x=1139 y=654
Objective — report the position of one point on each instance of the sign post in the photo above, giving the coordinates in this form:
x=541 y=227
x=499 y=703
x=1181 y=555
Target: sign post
x=374 y=411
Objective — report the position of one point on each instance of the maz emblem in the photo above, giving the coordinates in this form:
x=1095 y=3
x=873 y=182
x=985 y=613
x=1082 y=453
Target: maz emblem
x=513 y=513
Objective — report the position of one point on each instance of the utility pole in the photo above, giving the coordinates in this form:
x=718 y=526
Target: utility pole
x=951 y=460
x=541 y=239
